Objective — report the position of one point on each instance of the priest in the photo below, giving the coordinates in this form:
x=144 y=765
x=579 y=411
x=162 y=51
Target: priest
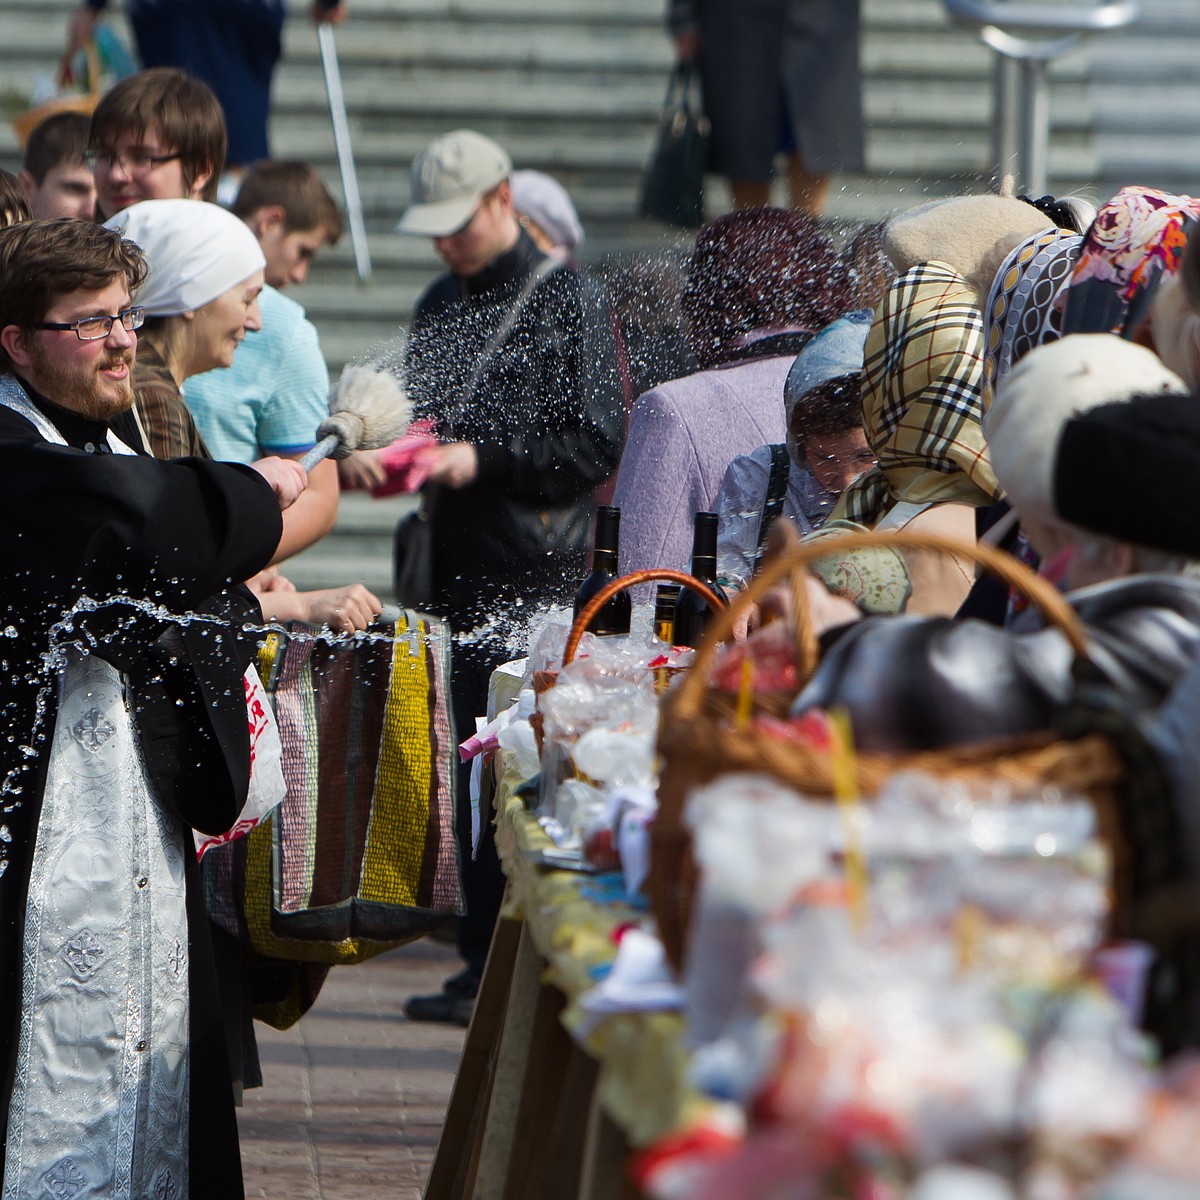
x=123 y=723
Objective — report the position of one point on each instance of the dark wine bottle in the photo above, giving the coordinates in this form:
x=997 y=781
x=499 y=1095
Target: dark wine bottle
x=692 y=614
x=615 y=616
x=664 y=612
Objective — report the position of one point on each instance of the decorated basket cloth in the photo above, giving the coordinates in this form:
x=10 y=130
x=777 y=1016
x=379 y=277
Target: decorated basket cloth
x=361 y=855
x=699 y=741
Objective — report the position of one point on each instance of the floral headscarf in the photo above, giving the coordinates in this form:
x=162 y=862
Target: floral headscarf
x=1103 y=281
x=1136 y=241
x=922 y=399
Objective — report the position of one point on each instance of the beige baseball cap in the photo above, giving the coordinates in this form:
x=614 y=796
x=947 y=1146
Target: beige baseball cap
x=449 y=178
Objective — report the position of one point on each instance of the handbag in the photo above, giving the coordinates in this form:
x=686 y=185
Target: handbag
x=361 y=856
x=673 y=185
x=412 y=555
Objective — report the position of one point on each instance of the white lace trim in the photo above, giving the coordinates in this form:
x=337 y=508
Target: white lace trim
x=99 y=1105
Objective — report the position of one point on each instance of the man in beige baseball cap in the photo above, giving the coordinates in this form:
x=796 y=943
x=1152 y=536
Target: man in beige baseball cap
x=450 y=180
x=512 y=354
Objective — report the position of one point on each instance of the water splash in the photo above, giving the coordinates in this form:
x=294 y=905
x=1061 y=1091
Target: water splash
x=70 y=633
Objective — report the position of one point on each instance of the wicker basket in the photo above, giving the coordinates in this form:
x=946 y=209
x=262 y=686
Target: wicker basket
x=544 y=680
x=633 y=579
x=698 y=741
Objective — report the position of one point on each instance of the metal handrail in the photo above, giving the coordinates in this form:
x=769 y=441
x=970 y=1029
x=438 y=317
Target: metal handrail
x=1021 y=107
x=1113 y=14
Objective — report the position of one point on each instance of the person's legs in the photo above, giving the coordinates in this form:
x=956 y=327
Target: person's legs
x=482 y=878
x=809 y=192
x=750 y=193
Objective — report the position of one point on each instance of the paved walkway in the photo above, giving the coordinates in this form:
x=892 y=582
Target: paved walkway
x=354 y=1095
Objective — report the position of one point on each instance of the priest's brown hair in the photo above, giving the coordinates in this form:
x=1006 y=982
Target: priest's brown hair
x=43 y=260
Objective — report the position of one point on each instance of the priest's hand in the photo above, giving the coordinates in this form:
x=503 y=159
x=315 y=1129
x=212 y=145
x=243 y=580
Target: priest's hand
x=287 y=478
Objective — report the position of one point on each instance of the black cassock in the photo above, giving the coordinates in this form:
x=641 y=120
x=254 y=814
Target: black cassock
x=78 y=522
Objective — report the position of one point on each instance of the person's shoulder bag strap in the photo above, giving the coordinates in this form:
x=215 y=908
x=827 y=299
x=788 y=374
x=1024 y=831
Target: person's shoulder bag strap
x=499 y=335
x=777 y=483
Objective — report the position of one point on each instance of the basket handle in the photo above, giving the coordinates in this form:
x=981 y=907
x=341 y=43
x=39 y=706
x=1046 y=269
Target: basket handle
x=794 y=560
x=606 y=593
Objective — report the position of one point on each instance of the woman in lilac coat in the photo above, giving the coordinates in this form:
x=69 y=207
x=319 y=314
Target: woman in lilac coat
x=760 y=283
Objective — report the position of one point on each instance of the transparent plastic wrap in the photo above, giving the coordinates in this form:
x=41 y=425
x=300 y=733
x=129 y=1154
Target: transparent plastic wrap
x=518 y=739
x=597 y=735
x=933 y=1022
x=546 y=641
x=629 y=656
x=757 y=844
x=1163 y=1161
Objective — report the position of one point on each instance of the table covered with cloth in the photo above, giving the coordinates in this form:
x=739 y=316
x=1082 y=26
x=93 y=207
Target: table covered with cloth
x=572 y=918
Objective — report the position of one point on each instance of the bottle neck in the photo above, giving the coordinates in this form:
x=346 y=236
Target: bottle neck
x=704 y=542
x=604 y=560
x=608 y=529
x=704 y=566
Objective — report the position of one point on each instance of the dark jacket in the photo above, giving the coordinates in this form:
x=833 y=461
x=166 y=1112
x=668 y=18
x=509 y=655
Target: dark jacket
x=919 y=683
x=916 y=683
x=545 y=418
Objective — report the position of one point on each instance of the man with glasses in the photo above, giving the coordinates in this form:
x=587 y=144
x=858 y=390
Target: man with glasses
x=158 y=135
x=123 y=728
x=512 y=354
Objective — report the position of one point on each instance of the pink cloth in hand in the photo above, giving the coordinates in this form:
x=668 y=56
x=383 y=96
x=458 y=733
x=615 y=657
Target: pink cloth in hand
x=407 y=460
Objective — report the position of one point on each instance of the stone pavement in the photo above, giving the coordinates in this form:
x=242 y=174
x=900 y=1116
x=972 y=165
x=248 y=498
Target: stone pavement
x=354 y=1095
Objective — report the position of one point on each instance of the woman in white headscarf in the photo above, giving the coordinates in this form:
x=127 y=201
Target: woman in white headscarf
x=201 y=299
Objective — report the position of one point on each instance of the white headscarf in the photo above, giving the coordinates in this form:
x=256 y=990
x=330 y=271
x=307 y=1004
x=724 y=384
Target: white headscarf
x=195 y=252
x=1049 y=386
x=548 y=205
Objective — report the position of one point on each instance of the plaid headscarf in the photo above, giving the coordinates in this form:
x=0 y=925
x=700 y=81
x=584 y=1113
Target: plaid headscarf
x=922 y=377
x=1024 y=306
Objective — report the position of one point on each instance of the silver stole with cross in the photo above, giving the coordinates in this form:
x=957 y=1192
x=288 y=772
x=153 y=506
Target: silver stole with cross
x=99 y=1105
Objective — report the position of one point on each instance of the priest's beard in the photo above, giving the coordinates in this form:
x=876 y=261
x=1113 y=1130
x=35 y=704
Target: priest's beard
x=82 y=388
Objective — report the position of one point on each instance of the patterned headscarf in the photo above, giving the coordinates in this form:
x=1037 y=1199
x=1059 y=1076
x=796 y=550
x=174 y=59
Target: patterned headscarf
x=1136 y=241
x=1024 y=306
x=922 y=377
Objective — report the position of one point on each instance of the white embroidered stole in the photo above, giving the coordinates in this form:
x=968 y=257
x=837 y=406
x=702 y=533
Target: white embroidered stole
x=99 y=1106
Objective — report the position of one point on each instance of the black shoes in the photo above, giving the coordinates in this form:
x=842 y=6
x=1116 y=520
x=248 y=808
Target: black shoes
x=453 y=1005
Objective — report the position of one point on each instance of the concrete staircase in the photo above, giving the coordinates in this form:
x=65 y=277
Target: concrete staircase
x=575 y=90
x=1142 y=88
